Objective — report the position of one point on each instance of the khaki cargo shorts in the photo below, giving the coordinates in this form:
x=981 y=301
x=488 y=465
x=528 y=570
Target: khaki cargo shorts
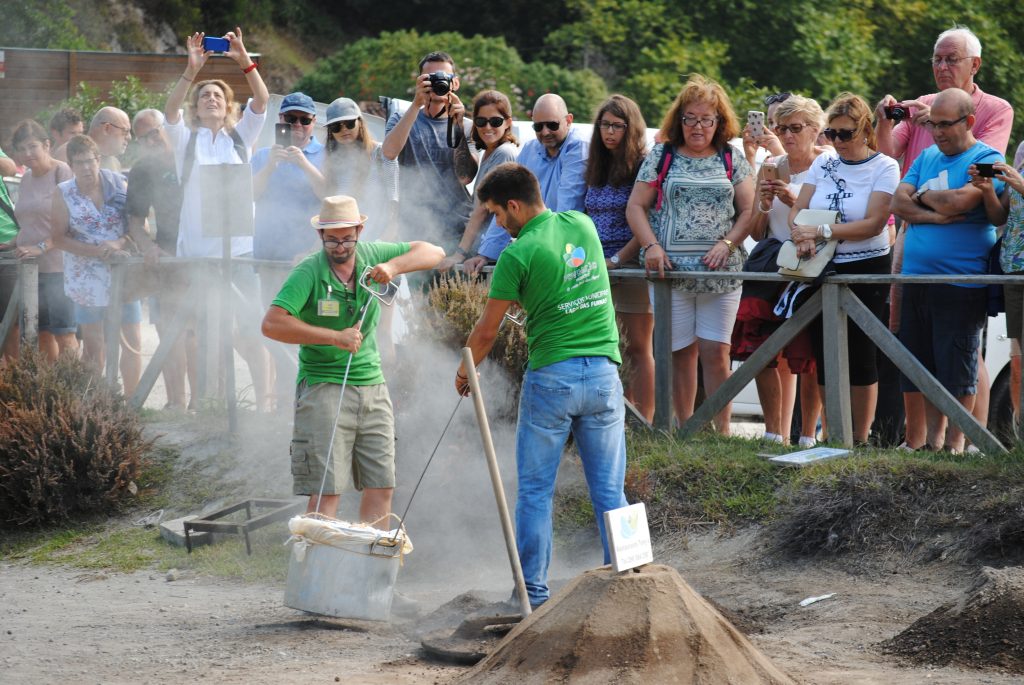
x=364 y=445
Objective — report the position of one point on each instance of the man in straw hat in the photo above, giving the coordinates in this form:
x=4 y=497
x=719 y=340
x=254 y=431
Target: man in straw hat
x=320 y=307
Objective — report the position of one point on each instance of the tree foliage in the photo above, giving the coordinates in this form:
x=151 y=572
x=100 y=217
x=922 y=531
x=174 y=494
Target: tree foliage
x=387 y=65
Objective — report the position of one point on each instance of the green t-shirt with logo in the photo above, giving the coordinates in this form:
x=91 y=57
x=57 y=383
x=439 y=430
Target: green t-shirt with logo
x=555 y=269
x=313 y=280
x=8 y=229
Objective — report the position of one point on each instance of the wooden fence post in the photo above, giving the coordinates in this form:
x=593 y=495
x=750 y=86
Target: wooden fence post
x=28 y=284
x=837 y=367
x=662 y=353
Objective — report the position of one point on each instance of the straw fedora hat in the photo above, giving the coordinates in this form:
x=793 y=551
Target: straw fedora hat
x=338 y=211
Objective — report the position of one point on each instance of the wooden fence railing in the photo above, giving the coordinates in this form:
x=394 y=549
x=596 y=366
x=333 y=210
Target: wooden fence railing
x=834 y=301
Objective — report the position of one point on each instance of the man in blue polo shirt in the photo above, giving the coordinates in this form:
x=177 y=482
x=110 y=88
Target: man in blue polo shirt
x=284 y=185
x=948 y=232
x=558 y=158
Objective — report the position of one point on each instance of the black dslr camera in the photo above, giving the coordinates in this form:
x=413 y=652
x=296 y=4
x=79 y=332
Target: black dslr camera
x=896 y=112
x=441 y=82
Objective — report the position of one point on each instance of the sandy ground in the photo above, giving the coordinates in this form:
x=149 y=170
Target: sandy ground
x=59 y=624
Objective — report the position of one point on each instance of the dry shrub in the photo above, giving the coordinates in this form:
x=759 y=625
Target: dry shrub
x=456 y=303
x=69 y=445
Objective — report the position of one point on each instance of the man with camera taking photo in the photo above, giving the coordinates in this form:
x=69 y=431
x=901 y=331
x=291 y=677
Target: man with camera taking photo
x=956 y=59
x=430 y=142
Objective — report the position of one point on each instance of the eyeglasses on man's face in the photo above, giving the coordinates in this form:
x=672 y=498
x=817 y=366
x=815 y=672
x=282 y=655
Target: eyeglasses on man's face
x=493 y=122
x=615 y=126
x=347 y=243
x=705 y=122
x=291 y=119
x=125 y=130
x=844 y=135
x=943 y=125
x=948 y=60
x=538 y=126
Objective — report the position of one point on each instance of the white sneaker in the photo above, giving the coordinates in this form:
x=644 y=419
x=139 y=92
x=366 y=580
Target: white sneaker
x=806 y=441
x=773 y=437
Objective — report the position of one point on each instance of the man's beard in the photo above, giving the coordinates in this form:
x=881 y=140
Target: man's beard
x=340 y=259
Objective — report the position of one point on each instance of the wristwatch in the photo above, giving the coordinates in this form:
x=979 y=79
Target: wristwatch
x=825 y=231
x=461 y=251
x=41 y=245
x=918 y=197
x=614 y=259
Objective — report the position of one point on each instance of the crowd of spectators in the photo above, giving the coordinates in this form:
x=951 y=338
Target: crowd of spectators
x=906 y=190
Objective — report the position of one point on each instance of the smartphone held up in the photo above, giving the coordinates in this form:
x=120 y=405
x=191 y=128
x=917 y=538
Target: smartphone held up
x=756 y=121
x=282 y=135
x=212 y=44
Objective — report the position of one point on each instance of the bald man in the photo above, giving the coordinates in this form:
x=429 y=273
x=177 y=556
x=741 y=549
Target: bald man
x=948 y=233
x=111 y=129
x=558 y=158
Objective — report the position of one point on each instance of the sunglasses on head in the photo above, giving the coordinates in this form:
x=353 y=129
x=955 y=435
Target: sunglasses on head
x=843 y=134
x=538 y=126
x=495 y=122
x=336 y=126
x=775 y=98
x=291 y=119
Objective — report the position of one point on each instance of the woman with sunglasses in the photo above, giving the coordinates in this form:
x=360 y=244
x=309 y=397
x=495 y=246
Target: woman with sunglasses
x=34 y=211
x=90 y=225
x=618 y=146
x=858 y=182
x=799 y=121
x=355 y=166
x=492 y=133
x=694 y=217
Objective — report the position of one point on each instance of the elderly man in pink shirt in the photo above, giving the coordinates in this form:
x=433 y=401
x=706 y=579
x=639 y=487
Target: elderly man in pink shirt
x=956 y=58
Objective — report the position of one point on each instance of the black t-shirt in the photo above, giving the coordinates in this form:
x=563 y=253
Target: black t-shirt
x=153 y=182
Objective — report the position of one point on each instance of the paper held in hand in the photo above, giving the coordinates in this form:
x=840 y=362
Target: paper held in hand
x=629 y=538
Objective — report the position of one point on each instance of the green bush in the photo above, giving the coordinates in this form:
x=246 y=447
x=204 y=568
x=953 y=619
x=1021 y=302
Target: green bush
x=69 y=445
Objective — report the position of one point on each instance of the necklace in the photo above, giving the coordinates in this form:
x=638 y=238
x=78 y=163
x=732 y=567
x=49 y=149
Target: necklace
x=347 y=282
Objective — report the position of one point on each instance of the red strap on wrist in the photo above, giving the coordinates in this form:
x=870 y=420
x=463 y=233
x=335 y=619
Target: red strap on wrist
x=249 y=68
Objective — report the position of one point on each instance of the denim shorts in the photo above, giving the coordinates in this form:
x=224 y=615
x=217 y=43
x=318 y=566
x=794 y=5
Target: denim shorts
x=56 y=310
x=131 y=312
x=941 y=326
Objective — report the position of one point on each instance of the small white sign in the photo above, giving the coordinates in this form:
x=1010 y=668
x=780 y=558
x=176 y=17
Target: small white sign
x=629 y=538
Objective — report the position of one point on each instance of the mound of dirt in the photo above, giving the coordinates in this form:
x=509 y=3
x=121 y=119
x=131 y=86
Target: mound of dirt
x=984 y=629
x=635 y=627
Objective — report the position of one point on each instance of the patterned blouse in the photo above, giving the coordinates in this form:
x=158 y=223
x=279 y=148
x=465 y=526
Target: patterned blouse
x=87 y=279
x=606 y=206
x=698 y=210
x=1011 y=256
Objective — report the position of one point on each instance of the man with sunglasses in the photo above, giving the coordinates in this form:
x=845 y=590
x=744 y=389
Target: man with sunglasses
x=948 y=232
x=320 y=308
x=110 y=129
x=956 y=59
x=283 y=184
x=283 y=180
x=433 y=200
x=558 y=158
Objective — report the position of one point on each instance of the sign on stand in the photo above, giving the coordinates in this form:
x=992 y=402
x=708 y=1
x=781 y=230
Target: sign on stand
x=629 y=538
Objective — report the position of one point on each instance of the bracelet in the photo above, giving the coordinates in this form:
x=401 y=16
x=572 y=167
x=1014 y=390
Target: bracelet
x=655 y=243
x=183 y=78
x=249 y=68
x=729 y=244
x=763 y=211
x=459 y=375
x=461 y=251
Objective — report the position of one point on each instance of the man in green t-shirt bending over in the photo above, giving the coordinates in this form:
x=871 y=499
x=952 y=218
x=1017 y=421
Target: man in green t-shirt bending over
x=555 y=269
x=318 y=308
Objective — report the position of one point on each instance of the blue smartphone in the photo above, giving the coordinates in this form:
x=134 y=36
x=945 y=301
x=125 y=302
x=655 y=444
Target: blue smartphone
x=211 y=44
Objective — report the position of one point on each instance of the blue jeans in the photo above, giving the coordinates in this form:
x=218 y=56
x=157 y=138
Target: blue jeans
x=582 y=395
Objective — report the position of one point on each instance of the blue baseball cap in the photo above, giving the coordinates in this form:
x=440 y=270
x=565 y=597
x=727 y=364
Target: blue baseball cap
x=298 y=102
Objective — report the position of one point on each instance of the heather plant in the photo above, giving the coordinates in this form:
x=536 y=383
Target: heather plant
x=69 y=445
